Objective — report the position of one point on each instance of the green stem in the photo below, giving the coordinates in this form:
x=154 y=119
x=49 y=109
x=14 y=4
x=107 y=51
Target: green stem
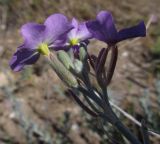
x=114 y=120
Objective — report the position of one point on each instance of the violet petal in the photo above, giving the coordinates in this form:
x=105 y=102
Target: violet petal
x=83 y=32
x=56 y=26
x=94 y=27
x=103 y=27
x=32 y=34
x=132 y=32
x=23 y=57
x=73 y=33
x=107 y=25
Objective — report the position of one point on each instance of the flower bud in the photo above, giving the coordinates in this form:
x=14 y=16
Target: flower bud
x=65 y=59
x=78 y=66
x=65 y=75
x=82 y=53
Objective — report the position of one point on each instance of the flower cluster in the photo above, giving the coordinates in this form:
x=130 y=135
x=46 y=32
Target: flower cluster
x=58 y=33
x=64 y=44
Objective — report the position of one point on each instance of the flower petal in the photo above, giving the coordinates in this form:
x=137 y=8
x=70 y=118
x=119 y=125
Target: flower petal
x=132 y=32
x=94 y=27
x=56 y=26
x=83 y=32
x=103 y=27
x=23 y=57
x=107 y=26
x=60 y=44
x=33 y=34
x=73 y=33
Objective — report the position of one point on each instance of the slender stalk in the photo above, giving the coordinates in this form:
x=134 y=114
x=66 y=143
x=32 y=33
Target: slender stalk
x=92 y=96
x=91 y=104
x=114 y=120
x=127 y=133
x=108 y=114
x=131 y=118
x=123 y=130
x=125 y=114
x=145 y=133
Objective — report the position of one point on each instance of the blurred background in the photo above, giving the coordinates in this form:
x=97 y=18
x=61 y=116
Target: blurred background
x=34 y=108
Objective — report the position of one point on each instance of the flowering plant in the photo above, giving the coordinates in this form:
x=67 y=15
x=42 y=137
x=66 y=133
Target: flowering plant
x=64 y=45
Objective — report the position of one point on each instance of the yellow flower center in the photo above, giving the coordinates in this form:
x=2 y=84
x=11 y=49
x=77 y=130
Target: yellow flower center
x=74 y=41
x=43 y=49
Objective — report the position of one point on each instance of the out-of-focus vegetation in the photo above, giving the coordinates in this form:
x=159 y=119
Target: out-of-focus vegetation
x=20 y=11
x=156 y=47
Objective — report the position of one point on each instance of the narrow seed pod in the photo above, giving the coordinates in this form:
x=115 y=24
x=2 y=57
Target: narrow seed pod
x=92 y=60
x=99 y=56
x=65 y=59
x=101 y=60
x=82 y=105
x=65 y=75
x=112 y=64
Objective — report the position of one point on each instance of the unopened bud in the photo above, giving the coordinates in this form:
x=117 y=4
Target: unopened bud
x=65 y=59
x=82 y=53
x=65 y=75
x=78 y=66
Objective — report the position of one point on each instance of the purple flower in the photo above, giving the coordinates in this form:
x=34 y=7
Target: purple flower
x=79 y=33
x=103 y=29
x=76 y=36
x=39 y=38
